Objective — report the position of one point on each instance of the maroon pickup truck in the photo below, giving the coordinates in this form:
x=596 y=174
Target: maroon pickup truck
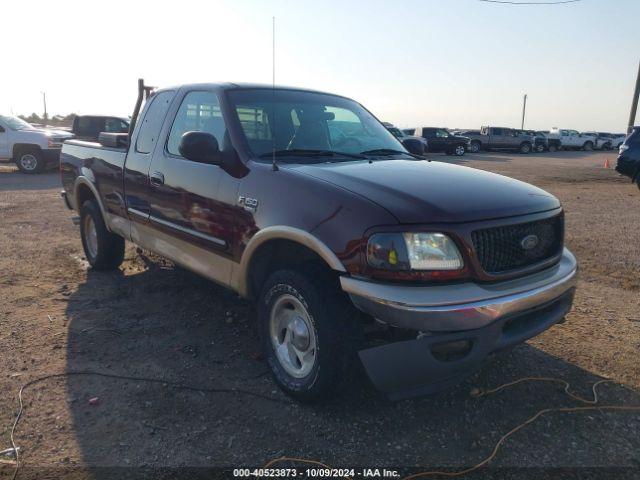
x=354 y=248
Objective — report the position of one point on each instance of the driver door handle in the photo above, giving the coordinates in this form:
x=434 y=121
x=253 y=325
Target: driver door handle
x=156 y=179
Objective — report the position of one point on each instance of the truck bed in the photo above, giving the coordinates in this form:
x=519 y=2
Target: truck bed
x=104 y=165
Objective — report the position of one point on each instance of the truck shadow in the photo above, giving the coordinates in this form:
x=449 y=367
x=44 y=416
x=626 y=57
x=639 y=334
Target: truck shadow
x=168 y=324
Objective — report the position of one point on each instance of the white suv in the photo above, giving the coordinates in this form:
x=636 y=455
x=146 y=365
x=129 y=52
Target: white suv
x=32 y=149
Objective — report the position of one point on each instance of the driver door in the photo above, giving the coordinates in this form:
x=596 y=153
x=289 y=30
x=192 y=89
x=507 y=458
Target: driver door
x=193 y=223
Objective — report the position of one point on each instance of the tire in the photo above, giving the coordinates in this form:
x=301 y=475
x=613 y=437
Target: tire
x=459 y=150
x=474 y=147
x=30 y=161
x=324 y=324
x=104 y=250
x=540 y=148
x=553 y=148
x=588 y=146
x=607 y=146
x=525 y=148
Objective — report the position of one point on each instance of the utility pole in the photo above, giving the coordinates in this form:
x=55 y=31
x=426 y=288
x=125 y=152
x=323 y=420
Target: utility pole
x=524 y=109
x=44 y=101
x=634 y=103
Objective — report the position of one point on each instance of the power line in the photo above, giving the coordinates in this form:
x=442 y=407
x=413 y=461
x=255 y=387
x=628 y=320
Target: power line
x=530 y=3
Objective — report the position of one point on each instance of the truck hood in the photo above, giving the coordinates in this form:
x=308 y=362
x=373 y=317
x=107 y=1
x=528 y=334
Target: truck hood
x=433 y=192
x=40 y=132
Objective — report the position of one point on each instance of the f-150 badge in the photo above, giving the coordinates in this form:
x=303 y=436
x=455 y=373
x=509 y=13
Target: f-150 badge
x=248 y=203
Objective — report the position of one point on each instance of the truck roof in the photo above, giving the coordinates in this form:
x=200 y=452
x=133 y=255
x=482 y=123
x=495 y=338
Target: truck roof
x=241 y=86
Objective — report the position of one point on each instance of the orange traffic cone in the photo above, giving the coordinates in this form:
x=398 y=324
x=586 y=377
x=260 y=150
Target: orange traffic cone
x=606 y=164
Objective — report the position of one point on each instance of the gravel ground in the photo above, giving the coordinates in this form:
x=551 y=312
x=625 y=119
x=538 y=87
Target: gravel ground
x=151 y=319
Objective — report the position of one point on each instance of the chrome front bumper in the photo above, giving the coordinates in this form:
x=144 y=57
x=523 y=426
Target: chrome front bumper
x=463 y=306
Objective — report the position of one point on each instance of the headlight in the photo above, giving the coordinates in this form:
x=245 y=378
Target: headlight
x=624 y=148
x=413 y=251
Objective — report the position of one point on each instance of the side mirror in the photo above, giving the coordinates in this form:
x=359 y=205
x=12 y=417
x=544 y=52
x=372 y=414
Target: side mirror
x=200 y=147
x=413 y=145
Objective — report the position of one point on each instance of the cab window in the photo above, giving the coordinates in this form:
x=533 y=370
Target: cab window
x=199 y=112
x=152 y=122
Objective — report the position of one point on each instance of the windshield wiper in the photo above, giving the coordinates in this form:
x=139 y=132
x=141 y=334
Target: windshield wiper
x=386 y=152
x=303 y=152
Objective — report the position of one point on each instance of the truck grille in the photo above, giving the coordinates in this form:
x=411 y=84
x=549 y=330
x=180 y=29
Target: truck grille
x=510 y=247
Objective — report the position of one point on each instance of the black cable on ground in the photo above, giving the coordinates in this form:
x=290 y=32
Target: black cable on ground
x=170 y=383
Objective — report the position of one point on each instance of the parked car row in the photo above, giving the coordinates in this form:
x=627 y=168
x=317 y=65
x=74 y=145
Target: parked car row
x=488 y=138
x=35 y=149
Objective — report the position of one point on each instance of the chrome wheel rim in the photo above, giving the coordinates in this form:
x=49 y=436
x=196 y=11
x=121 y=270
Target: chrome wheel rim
x=475 y=148
x=28 y=161
x=459 y=150
x=90 y=236
x=292 y=336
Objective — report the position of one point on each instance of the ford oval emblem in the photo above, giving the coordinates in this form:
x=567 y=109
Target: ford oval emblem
x=530 y=242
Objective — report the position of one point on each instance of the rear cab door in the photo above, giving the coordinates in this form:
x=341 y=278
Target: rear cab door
x=496 y=138
x=143 y=144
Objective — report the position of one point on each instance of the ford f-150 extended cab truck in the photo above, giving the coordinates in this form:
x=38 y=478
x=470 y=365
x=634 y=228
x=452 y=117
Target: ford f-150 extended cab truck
x=353 y=248
x=500 y=138
x=32 y=149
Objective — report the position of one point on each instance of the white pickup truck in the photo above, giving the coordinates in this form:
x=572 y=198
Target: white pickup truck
x=32 y=149
x=572 y=139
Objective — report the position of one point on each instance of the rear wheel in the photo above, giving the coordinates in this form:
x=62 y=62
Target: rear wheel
x=588 y=146
x=525 y=148
x=474 y=147
x=30 y=161
x=553 y=148
x=540 y=148
x=104 y=250
x=308 y=331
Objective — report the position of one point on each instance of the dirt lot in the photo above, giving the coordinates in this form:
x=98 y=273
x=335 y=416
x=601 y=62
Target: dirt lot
x=154 y=320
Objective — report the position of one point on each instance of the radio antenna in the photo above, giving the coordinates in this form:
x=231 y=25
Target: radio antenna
x=274 y=165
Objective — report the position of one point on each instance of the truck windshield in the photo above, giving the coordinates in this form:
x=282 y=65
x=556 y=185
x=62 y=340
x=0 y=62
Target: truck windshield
x=15 y=123
x=308 y=122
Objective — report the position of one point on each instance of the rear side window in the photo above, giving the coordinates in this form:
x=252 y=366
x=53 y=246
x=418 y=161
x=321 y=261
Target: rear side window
x=496 y=131
x=199 y=112
x=152 y=122
x=115 y=125
x=89 y=126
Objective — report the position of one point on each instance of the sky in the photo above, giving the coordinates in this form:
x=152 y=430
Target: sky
x=453 y=63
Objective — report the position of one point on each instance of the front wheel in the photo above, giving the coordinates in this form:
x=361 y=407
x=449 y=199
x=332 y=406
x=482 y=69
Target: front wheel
x=307 y=330
x=588 y=146
x=474 y=147
x=553 y=148
x=30 y=161
x=459 y=150
x=540 y=148
x=104 y=250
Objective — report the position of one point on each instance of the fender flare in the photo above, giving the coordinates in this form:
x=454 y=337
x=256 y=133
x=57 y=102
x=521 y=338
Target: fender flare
x=85 y=179
x=17 y=147
x=283 y=232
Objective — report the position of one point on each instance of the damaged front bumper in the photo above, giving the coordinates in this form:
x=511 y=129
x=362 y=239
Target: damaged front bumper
x=469 y=321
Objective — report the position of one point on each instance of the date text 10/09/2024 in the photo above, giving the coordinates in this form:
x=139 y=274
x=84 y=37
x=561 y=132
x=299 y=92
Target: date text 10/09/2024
x=316 y=473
